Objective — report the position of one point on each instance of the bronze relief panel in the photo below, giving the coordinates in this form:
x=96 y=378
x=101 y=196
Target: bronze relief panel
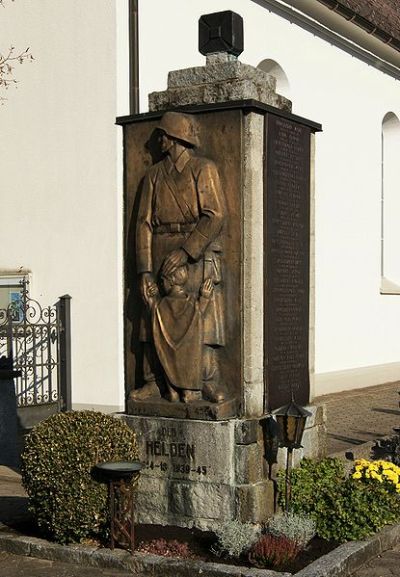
x=183 y=241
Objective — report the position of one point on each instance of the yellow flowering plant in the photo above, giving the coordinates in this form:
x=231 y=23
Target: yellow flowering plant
x=384 y=472
x=345 y=508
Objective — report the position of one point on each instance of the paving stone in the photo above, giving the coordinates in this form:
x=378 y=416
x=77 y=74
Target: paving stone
x=17 y=566
x=385 y=565
x=356 y=417
x=389 y=537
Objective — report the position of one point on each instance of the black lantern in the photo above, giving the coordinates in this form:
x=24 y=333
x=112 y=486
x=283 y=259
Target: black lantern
x=271 y=441
x=221 y=32
x=291 y=419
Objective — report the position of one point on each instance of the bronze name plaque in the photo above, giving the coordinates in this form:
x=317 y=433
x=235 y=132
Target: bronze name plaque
x=287 y=261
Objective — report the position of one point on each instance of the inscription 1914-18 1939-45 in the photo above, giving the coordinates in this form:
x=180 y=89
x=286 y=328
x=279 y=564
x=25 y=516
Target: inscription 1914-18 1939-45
x=175 y=458
x=287 y=261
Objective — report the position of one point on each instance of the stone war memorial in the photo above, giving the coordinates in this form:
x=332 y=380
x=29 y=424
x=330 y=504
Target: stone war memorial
x=219 y=284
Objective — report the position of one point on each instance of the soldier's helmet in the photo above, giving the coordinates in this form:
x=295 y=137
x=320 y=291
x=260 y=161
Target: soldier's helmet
x=180 y=126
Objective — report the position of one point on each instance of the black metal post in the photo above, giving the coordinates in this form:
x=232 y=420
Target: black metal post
x=64 y=311
x=288 y=488
x=132 y=536
x=134 y=56
x=112 y=513
x=10 y=354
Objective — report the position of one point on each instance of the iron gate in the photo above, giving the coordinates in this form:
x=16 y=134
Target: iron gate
x=35 y=346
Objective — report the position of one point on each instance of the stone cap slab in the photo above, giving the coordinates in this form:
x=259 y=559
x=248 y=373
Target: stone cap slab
x=218 y=81
x=230 y=90
x=221 y=72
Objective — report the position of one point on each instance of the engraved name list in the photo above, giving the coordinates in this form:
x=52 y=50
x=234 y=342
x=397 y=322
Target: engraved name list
x=287 y=226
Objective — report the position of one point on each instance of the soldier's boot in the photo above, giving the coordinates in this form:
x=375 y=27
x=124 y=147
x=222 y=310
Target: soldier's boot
x=149 y=390
x=188 y=396
x=214 y=392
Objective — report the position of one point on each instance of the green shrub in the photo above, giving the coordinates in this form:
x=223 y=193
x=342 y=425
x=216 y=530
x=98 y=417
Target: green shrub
x=296 y=527
x=68 y=504
x=343 y=508
x=235 y=538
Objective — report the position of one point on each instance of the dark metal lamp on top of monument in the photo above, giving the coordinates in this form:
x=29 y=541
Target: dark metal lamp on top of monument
x=221 y=32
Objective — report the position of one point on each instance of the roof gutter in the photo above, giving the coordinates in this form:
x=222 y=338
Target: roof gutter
x=362 y=22
x=327 y=24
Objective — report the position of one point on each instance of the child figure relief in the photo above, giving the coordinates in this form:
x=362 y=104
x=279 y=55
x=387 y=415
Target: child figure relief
x=177 y=326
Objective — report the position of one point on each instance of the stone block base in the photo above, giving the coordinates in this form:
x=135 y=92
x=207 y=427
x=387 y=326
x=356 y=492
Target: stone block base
x=202 y=473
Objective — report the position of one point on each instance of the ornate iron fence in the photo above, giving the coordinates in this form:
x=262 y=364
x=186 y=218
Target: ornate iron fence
x=35 y=344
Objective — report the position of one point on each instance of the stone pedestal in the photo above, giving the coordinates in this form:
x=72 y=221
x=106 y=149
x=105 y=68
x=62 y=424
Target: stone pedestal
x=205 y=461
x=201 y=473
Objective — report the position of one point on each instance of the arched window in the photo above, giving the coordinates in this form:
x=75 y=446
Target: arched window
x=390 y=205
x=273 y=68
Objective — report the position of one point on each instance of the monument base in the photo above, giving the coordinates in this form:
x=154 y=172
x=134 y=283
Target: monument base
x=201 y=473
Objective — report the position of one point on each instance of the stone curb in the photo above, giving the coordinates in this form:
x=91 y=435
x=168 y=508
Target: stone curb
x=141 y=565
x=349 y=557
x=341 y=562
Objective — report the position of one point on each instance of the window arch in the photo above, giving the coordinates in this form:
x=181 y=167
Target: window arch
x=390 y=204
x=273 y=68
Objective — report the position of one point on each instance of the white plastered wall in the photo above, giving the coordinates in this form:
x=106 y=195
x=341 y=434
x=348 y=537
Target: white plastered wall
x=61 y=176
x=61 y=173
x=356 y=326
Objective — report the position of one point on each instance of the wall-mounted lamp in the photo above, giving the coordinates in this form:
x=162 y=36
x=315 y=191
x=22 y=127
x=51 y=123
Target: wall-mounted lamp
x=271 y=441
x=291 y=420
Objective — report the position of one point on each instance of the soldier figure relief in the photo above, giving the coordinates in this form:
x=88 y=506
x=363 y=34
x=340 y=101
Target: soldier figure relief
x=178 y=257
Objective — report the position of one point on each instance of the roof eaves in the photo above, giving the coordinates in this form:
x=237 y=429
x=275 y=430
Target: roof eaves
x=362 y=22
